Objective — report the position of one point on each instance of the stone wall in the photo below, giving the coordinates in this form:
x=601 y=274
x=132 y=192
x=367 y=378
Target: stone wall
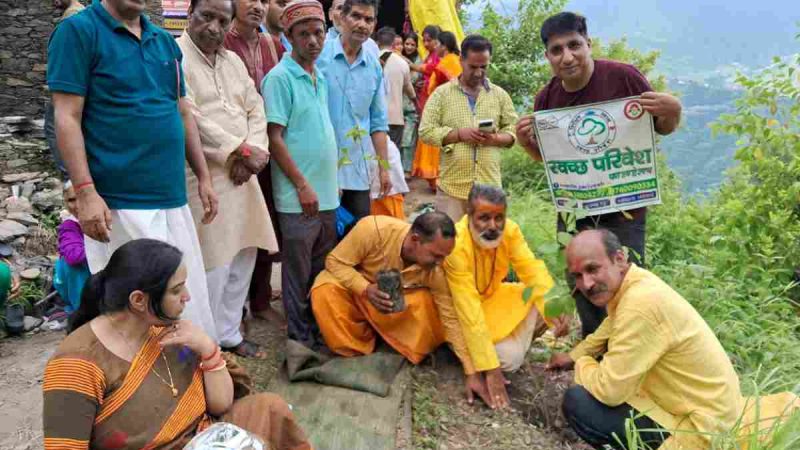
x=25 y=27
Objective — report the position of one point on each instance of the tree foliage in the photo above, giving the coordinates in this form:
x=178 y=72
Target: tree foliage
x=518 y=62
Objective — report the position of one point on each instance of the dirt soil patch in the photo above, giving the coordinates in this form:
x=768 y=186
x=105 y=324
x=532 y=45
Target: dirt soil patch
x=22 y=362
x=440 y=417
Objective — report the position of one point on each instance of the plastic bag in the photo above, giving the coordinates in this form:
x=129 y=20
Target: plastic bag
x=226 y=436
x=344 y=220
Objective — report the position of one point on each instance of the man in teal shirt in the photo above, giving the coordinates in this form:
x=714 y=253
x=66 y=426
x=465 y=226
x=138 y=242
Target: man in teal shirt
x=357 y=104
x=304 y=178
x=125 y=132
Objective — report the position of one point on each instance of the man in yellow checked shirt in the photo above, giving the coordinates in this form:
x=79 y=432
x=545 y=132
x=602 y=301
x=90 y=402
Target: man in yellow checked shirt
x=497 y=323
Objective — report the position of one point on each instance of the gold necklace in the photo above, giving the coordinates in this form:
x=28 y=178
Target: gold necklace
x=171 y=383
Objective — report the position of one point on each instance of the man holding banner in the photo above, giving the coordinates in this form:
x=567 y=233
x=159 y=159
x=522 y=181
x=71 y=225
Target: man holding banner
x=580 y=80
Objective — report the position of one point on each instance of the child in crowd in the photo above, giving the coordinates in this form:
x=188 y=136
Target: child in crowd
x=72 y=270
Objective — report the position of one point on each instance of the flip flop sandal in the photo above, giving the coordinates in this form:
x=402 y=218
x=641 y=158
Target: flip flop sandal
x=246 y=349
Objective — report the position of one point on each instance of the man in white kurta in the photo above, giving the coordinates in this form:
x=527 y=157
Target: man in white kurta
x=230 y=117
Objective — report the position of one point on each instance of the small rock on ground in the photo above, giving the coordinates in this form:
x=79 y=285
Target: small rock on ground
x=18 y=177
x=23 y=218
x=10 y=230
x=30 y=274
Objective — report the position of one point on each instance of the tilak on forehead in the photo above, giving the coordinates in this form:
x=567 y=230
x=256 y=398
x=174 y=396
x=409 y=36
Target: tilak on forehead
x=482 y=206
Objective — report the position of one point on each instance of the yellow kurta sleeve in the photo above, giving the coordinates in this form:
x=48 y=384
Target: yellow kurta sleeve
x=636 y=344
x=450 y=321
x=431 y=130
x=530 y=270
x=351 y=251
x=467 y=303
x=594 y=344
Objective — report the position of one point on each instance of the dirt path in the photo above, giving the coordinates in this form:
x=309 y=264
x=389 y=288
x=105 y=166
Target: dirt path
x=22 y=362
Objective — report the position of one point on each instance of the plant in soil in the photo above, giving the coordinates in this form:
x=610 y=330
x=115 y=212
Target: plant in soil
x=388 y=280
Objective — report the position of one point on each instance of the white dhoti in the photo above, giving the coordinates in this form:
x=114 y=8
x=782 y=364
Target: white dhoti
x=228 y=286
x=511 y=351
x=173 y=226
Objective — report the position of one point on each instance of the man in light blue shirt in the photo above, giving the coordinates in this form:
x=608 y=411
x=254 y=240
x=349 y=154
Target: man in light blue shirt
x=304 y=176
x=357 y=105
x=334 y=14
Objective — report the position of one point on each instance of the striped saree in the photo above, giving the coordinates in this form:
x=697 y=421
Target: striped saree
x=94 y=399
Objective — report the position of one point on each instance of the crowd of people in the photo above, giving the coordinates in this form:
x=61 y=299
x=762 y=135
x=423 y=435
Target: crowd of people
x=196 y=163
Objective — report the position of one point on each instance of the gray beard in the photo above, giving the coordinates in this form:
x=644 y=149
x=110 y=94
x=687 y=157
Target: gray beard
x=482 y=242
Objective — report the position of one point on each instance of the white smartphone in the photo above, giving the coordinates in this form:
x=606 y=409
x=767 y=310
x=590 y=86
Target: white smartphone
x=486 y=125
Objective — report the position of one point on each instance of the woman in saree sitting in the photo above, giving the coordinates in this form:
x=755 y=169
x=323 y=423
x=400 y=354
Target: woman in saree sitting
x=426 y=158
x=131 y=375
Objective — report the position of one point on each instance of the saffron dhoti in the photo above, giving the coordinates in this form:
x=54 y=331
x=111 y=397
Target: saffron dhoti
x=352 y=323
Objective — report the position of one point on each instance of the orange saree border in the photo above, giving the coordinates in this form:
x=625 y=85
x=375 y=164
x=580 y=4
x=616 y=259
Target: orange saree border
x=140 y=368
x=75 y=374
x=191 y=406
x=65 y=444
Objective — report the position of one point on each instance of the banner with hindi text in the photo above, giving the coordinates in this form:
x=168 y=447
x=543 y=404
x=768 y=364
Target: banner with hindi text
x=600 y=155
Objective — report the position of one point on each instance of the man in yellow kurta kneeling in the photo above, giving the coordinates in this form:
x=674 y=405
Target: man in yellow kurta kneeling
x=660 y=361
x=498 y=323
x=352 y=310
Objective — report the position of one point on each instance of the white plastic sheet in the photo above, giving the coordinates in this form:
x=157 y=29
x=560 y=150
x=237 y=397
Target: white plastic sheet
x=226 y=436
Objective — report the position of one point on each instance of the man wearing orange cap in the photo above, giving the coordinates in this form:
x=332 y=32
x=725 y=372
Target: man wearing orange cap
x=304 y=176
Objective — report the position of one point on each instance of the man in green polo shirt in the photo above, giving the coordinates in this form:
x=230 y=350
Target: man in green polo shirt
x=304 y=177
x=124 y=131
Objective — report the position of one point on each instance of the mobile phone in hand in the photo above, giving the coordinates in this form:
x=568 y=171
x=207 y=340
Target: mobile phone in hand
x=486 y=125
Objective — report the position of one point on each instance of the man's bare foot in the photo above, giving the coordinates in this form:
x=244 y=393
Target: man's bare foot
x=271 y=315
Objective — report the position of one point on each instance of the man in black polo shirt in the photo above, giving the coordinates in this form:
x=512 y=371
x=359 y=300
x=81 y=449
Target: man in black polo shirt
x=578 y=80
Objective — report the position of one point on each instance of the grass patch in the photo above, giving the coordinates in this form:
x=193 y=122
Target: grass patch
x=426 y=413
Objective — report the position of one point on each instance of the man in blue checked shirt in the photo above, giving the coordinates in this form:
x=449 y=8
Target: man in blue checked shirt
x=357 y=105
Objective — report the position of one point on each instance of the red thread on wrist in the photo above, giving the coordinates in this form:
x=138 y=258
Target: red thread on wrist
x=85 y=184
x=213 y=354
